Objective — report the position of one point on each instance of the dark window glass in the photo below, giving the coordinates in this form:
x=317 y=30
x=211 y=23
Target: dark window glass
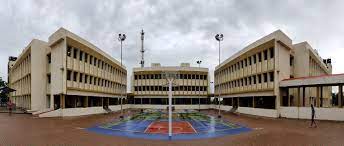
x=254 y=79
x=259 y=78
x=86 y=57
x=265 y=54
x=291 y=61
x=259 y=57
x=135 y=77
x=245 y=61
x=69 y=74
x=69 y=51
x=272 y=52
x=95 y=61
x=91 y=79
x=81 y=55
x=254 y=59
x=81 y=77
x=86 y=79
x=249 y=60
x=49 y=78
x=75 y=53
x=265 y=75
x=271 y=75
x=75 y=75
x=91 y=59
x=49 y=58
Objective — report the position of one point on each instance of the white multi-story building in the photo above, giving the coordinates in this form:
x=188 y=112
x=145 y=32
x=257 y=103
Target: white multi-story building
x=65 y=72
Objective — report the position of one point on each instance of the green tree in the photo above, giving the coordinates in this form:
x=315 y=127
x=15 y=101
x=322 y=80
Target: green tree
x=3 y=97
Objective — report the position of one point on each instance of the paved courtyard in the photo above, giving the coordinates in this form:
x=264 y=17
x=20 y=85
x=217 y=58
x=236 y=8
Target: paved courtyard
x=23 y=129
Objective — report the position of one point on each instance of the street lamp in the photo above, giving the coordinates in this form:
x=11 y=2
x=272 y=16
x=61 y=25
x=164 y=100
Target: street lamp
x=121 y=38
x=199 y=87
x=219 y=38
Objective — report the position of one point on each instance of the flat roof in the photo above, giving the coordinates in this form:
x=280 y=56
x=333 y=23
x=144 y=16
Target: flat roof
x=327 y=80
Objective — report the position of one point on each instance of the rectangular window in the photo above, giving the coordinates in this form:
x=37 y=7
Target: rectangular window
x=242 y=63
x=69 y=74
x=254 y=59
x=75 y=75
x=99 y=62
x=265 y=54
x=91 y=59
x=86 y=79
x=259 y=57
x=249 y=80
x=81 y=77
x=271 y=76
x=75 y=53
x=49 y=58
x=69 y=51
x=291 y=61
x=249 y=60
x=259 y=78
x=265 y=75
x=245 y=62
x=81 y=55
x=91 y=79
x=86 y=57
x=49 y=78
x=254 y=79
x=135 y=77
x=95 y=61
x=272 y=52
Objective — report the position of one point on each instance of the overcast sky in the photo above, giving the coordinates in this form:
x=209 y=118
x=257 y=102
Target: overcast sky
x=176 y=30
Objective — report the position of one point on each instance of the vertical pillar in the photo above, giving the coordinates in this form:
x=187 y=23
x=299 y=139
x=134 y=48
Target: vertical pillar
x=321 y=96
x=232 y=101
x=108 y=101
x=287 y=96
x=62 y=101
x=102 y=101
x=298 y=96
x=340 y=95
x=86 y=101
x=253 y=104
x=288 y=99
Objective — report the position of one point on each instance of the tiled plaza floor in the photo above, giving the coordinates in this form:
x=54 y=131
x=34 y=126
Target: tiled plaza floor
x=23 y=129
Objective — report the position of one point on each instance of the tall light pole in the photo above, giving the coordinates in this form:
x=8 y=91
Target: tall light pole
x=219 y=38
x=121 y=38
x=199 y=86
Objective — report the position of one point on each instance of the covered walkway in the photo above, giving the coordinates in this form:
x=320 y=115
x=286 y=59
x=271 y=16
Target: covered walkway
x=311 y=90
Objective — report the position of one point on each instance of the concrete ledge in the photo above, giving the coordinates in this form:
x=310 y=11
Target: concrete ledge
x=272 y=113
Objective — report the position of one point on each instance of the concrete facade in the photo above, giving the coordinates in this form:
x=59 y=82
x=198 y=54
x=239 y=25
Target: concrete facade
x=149 y=86
x=251 y=78
x=65 y=72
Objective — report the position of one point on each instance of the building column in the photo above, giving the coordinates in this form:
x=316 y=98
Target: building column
x=298 y=96
x=321 y=96
x=340 y=95
x=62 y=101
x=232 y=101
x=253 y=104
x=86 y=102
x=288 y=98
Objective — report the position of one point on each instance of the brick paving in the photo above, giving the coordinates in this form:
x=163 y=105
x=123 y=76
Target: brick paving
x=23 y=129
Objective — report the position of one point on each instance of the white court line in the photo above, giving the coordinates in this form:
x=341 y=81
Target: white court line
x=191 y=126
x=148 y=127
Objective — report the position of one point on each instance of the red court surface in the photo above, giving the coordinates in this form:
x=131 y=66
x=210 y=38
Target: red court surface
x=161 y=127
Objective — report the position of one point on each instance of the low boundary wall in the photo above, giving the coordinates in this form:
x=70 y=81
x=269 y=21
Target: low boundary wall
x=333 y=114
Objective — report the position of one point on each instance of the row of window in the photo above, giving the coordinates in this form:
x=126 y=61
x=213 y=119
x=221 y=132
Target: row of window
x=181 y=76
x=164 y=88
x=88 y=79
x=87 y=58
x=251 y=60
x=251 y=80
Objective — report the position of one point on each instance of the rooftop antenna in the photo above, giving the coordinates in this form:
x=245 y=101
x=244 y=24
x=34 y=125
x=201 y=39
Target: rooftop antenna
x=142 y=62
